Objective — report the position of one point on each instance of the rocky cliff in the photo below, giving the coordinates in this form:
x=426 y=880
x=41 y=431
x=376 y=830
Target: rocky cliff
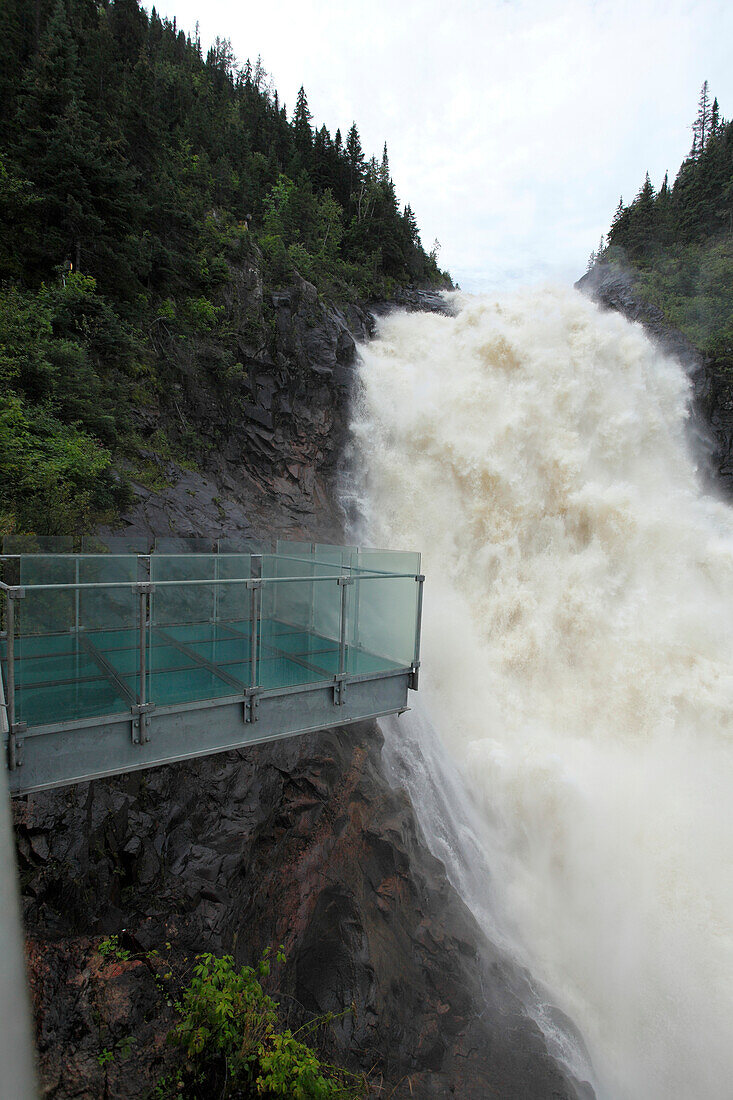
x=265 y=438
x=302 y=843
x=712 y=409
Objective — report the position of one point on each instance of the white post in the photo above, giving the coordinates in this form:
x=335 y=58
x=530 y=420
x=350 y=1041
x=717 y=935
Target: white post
x=17 y=1057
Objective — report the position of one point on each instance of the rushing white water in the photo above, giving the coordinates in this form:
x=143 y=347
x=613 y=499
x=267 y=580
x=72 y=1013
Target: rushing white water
x=577 y=646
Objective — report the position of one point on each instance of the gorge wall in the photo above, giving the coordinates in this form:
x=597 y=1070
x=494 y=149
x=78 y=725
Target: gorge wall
x=304 y=843
x=712 y=409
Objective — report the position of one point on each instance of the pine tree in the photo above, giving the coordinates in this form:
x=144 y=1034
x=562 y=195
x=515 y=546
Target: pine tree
x=84 y=182
x=384 y=167
x=302 y=123
x=701 y=125
x=355 y=162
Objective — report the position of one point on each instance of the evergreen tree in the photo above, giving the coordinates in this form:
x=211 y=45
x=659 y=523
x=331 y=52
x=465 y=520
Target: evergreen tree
x=702 y=124
x=302 y=132
x=84 y=183
x=355 y=159
x=384 y=167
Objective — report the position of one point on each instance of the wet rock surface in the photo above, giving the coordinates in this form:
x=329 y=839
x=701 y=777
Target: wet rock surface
x=301 y=843
x=268 y=432
x=712 y=409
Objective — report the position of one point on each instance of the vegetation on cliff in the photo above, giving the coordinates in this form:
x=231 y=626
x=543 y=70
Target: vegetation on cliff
x=679 y=242
x=234 y=1047
x=137 y=178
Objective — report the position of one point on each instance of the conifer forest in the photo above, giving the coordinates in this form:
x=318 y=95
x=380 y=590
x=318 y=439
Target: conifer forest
x=137 y=176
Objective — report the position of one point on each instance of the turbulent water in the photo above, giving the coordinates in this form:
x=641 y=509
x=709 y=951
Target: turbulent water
x=577 y=646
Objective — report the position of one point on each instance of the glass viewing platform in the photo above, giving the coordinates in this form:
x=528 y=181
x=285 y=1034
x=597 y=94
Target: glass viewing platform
x=122 y=656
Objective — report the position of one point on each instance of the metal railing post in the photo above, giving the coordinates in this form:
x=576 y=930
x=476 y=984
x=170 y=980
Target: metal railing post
x=312 y=614
x=420 y=579
x=216 y=587
x=340 y=686
x=76 y=597
x=254 y=634
x=342 y=628
x=141 y=695
x=17 y=1053
x=10 y=701
x=357 y=601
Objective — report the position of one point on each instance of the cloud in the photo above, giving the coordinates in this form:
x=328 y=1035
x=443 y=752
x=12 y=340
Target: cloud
x=512 y=125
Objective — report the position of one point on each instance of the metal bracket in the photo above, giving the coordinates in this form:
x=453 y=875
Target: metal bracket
x=145 y=588
x=15 y=592
x=141 y=722
x=414 y=675
x=339 y=690
x=251 y=707
x=254 y=582
x=345 y=580
x=15 y=745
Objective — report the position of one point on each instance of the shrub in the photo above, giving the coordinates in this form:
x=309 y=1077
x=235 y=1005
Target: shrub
x=228 y=1031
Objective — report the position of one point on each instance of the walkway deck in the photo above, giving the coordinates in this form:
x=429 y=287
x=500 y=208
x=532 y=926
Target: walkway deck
x=112 y=662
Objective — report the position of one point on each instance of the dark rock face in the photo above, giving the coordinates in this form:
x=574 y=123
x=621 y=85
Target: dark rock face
x=272 y=430
x=416 y=301
x=712 y=409
x=301 y=843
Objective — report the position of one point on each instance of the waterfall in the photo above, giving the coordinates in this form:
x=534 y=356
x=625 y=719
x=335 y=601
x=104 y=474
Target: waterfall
x=577 y=645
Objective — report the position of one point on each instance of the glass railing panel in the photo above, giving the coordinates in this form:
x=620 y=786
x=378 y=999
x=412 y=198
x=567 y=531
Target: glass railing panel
x=174 y=545
x=116 y=544
x=232 y=602
x=46 y=611
x=388 y=561
x=48 y=568
x=291 y=649
x=105 y=608
x=191 y=658
x=180 y=603
x=244 y=546
x=288 y=603
x=337 y=556
x=64 y=672
x=293 y=546
x=38 y=544
x=327 y=601
x=382 y=621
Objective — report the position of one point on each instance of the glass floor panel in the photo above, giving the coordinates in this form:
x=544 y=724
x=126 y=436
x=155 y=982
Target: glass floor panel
x=63 y=702
x=275 y=672
x=127 y=661
x=60 y=677
x=185 y=686
x=39 y=670
x=301 y=643
x=225 y=649
x=203 y=632
x=113 y=639
x=44 y=644
x=273 y=627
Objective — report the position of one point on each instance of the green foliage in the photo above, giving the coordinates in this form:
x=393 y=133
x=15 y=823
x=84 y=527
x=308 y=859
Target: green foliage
x=290 y=1068
x=110 y=947
x=679 y=243
x=228 y=1032
x=136 y=180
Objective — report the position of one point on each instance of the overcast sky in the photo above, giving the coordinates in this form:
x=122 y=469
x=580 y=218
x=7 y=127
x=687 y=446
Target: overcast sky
x=512 y=125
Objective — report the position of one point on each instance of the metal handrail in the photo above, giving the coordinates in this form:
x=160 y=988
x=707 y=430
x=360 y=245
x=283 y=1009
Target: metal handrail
x=247 y=581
